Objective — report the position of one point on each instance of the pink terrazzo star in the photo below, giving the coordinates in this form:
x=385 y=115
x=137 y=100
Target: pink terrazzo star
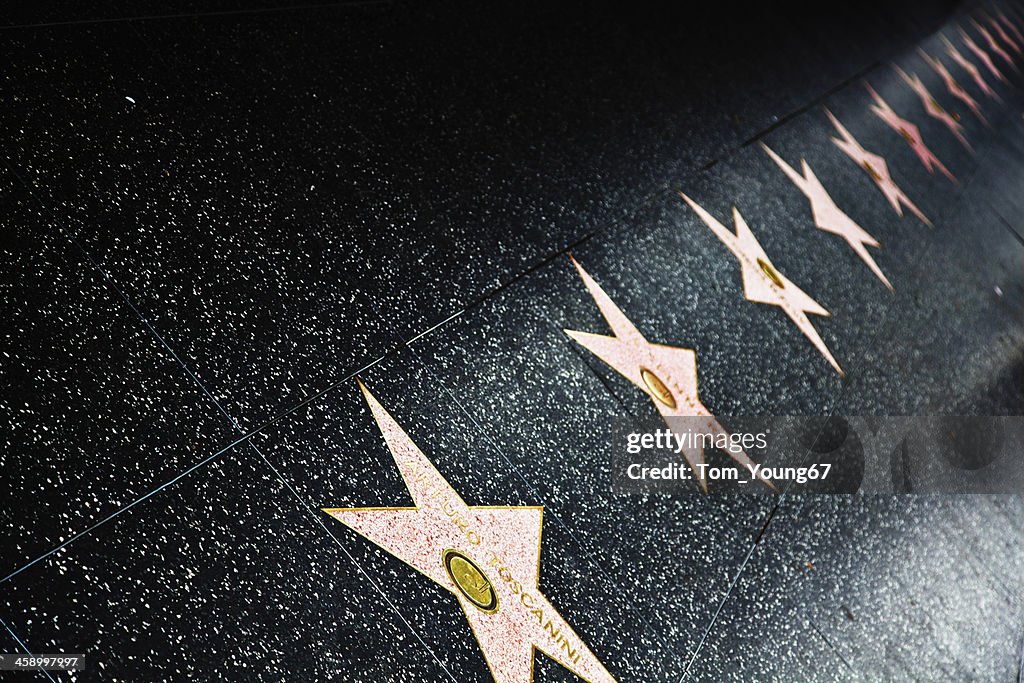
x=952 y=87
x=487 y=557
x=1013 y=29
x=829 y=217
x=983 y=56
x=910 y=132
x=762 y=282
x=1004 y=36
x=968 y=66
x=877 y=169
x=994 y=45
x=933 y=108
x=665 y=373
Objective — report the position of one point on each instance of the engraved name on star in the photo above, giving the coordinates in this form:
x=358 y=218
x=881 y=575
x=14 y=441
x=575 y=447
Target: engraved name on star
x=994 y=45
x=829 y=217
x=909 y=132
x=968 y=66
x=487 y=557
x=933 y=108
x=762 y=282
x=983 y=56
x=877 y=170
x=665 y=373
x=952 y=87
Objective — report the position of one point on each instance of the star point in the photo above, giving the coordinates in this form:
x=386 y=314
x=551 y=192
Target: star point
x=488 y=557
x=876 y=168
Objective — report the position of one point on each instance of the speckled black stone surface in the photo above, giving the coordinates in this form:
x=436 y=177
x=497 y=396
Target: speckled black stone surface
x=848 y=590
x=95 y=411
x=216 y=215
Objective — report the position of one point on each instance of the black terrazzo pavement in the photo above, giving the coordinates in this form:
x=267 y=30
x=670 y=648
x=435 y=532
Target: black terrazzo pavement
x=214 y=221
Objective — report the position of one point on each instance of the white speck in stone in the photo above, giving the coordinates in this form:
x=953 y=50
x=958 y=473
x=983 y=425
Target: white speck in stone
x=999 y=290
x=129 y=99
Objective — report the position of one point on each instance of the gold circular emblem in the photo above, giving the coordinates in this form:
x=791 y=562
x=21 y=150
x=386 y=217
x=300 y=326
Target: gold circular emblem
x=658 y=388
x=871 y=171
x=767 y=269
x=470 y=580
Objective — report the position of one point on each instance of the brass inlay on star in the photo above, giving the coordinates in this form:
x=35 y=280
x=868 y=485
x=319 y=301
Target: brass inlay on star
x=767 y=269
x=875 y=175
x=658 y=388
x=470 y=580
